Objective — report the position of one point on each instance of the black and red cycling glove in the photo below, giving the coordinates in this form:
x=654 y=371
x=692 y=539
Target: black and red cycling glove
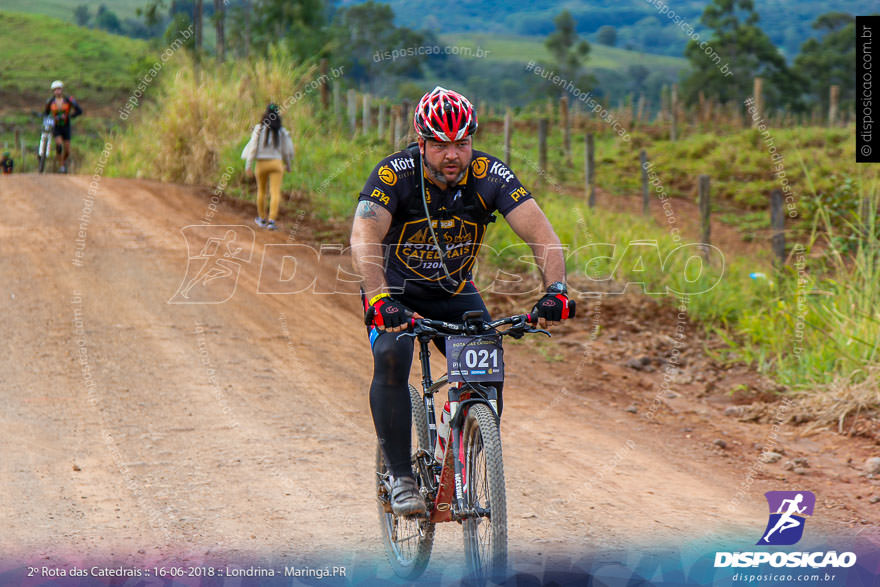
x=386 y=312
x=555 y=305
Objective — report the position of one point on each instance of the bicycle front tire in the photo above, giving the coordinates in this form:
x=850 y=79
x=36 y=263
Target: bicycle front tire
x=485 y=536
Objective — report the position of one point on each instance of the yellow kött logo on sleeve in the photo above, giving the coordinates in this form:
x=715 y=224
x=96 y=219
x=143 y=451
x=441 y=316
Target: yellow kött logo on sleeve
x=387 y=175
x=480 y=166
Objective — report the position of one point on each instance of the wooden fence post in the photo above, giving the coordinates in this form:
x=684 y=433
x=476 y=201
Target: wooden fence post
x=392 y=123
x=337 y=102
x=664 y=103
x=566 y=129
x=590 y=169
x=366 y=114
x=508 y=128
x=380 y=119
x=758 y=97
x=777 y=223
x=397 y=124
x=646 y=199
x=406 y=127
x=673 y=130
x=542 y=147
x=705 y=224
x=641 y=110
x=701 y=113
x=23 y=149
x=352 y=112
x=325 y=91
x=833 y=99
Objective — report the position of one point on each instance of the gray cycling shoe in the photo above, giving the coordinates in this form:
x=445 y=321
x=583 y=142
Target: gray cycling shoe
x=405 y=497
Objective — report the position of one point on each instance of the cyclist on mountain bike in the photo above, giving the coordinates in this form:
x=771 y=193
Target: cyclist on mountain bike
x=62 y=108
x=405 y=271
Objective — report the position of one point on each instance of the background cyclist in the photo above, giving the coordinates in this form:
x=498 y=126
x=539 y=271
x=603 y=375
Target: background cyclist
x=395 y=251
x=63 y=109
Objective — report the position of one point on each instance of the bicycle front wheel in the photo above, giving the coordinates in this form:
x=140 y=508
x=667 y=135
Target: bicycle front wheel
x=485 y=532
x=408 y=540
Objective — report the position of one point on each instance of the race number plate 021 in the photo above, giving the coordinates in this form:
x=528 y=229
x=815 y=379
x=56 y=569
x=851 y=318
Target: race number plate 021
x=474 y=359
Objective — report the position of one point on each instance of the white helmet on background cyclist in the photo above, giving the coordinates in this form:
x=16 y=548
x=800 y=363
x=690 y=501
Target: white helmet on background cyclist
x=57 y=84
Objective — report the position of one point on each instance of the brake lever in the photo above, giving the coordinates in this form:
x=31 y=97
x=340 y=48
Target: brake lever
x=423 y=330
x=532 y=329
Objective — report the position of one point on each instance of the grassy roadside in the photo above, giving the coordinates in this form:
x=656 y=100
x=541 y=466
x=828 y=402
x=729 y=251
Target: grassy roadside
x=809 y=325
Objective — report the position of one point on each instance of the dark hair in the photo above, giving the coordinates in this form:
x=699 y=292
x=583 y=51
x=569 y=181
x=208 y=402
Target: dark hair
x=272 y=121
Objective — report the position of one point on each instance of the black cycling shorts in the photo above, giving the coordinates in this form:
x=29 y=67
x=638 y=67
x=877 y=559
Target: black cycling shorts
x=62 y=131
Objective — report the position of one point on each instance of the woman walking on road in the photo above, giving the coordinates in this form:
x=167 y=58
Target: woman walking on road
x=270 y=145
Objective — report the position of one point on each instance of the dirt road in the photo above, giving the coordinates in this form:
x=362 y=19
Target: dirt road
x=138 y=430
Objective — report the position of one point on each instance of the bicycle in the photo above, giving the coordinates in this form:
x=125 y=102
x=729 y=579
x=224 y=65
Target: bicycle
x=468 y=489
x=44 y=151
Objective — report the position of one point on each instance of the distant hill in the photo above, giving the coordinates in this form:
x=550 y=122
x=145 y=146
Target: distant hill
x=36 y=49
x=639 y=25
x=63 y=9
x=501 y=75
x=522 y=49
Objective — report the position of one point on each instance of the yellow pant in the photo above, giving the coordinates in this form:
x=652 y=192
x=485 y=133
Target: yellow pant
x=271 y=171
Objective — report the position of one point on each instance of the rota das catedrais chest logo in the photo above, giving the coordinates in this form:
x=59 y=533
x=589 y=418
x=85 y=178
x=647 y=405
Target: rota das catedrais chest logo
x=788 y=516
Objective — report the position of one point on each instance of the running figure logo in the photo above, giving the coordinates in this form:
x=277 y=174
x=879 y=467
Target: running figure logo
x=212 y=273
x=788 y=512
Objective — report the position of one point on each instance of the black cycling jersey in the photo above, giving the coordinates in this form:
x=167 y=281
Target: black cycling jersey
x=459 y=216
x=69 y=109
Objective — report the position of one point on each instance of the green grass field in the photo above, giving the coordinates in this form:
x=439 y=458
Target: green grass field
x=63 y=9
x=36 y=49
x=524 y=49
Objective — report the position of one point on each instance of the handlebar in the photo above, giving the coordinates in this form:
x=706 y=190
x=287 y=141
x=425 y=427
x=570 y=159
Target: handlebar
x=519 y=325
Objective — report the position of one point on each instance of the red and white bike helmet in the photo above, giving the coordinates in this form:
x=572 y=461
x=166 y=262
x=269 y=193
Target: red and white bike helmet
x=445 y=116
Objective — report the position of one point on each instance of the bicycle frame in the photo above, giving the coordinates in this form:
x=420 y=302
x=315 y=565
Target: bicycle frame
x=446 y=487
x=465 y=482
x=44 y=150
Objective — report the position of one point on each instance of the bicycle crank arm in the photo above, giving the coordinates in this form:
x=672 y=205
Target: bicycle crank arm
x=474 y=512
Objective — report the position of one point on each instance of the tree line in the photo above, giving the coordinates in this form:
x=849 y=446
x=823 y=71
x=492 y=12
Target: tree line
x=724 y=64
x=360 y=36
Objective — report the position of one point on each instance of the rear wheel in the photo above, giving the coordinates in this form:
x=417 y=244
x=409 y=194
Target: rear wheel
x=407 y=540
x=485 y=534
